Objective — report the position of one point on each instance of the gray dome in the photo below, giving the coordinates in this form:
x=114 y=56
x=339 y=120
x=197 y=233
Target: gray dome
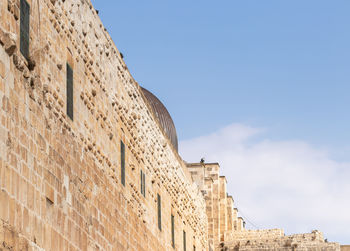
x=163 y=117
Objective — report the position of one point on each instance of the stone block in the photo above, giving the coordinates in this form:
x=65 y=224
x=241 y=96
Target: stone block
x=2 y=70
x=50 y=193
x=4 y=208
x=8 y=39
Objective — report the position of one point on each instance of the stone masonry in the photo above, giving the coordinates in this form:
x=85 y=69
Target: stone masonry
x=60 y=186
x=62 y=176
x=227 y=231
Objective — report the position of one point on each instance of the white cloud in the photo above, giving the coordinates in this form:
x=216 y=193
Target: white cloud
x=279 y=184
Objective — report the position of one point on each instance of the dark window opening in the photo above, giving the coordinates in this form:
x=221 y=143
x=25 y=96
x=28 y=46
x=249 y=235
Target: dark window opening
x=122 y=159
x=184 y=237
x=159 y=212
x=172 y=231
x=69 y=92
x=143 y=183
x=24 y=28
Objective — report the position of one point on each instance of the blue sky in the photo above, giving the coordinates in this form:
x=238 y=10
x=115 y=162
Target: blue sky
x=277 y=64
x=277 y=67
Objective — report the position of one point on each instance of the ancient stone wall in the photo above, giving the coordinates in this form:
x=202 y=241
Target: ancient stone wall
x=227 y=230
x=275 y=239
x=60 y=178
x=254 y=234
x=222 y=217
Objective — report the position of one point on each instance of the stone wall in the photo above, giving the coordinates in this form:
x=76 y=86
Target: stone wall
x=227 y=230
x=222 y=216
x=60 y=178
x=254 y=234
x=275 y=239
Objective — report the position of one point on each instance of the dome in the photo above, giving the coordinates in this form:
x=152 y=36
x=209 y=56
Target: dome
x=163 y=117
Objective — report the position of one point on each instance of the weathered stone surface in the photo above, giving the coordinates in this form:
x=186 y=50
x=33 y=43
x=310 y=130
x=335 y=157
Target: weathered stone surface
x=60 y=179
x=227 y=231
x=8 y=39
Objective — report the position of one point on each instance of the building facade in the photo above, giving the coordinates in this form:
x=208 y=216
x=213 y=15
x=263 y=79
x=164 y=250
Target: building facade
x=88 y=158
x=226 y=231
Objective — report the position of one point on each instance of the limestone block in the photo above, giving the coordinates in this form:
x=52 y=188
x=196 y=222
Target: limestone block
x=8 y=40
